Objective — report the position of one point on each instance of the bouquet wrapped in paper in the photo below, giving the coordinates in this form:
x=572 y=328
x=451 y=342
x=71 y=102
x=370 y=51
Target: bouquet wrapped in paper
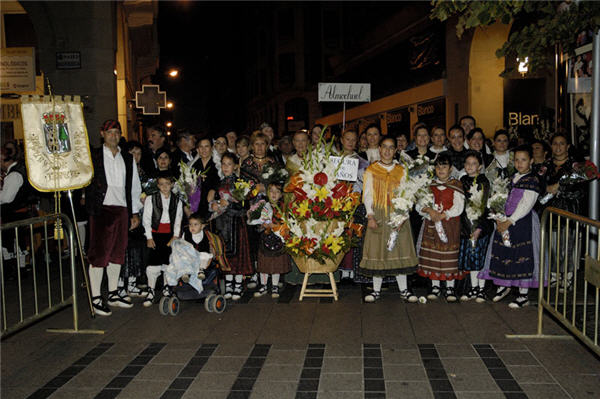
x=260 y=213
x=188 y=186
x=415 y=180
x=474 y=208
x=582 y=172
x=242 y=190
x=427 y=200
x=497 y=203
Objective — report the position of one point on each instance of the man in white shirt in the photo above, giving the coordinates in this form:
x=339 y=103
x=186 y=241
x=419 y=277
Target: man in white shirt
x=113 y=203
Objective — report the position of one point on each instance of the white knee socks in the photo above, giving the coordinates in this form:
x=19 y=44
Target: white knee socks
x=402 y=282
x=264 y=277
x=112 y=271
x=239 y=278
x=449 y=283
x=96 y=274
x=152 y=272
x=523 y=291
x=377 y=281
x=476 y=281
x=275 y=279
x=435 y=283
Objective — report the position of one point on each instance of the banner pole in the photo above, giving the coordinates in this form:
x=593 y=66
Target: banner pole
x=344 y=117
x=595 y=139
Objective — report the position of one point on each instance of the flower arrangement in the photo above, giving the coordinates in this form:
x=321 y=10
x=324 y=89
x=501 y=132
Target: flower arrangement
x=497 y=203
x=474 y=208
x=318 y=221
x=188 y=186
x=416 y=179
x=582 y=172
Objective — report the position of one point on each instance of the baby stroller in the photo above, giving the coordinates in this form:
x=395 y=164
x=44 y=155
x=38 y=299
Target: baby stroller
x=213 y=285
x=184 y=284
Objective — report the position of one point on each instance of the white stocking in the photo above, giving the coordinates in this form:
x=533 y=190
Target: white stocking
x=449 y=283
x=402 y=282
x=239 y=278
x=523 y=291
x=96 y=274
x=474 y=279
x=377 y=281
x=264 y=277
x=275 y=279
x=112 y=271
x=435 y=283
x=152 y=272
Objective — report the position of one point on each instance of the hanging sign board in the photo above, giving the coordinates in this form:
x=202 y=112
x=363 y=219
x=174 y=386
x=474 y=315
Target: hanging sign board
x=345 y=92
x=68 y=60
x=17 y=69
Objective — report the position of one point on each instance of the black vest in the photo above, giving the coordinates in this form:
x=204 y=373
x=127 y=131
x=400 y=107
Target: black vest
x=96 y=191
x=202 y=246
x=21 y=198
x=157 y=210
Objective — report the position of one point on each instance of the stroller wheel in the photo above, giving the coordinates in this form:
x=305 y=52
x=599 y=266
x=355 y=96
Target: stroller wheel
x=163 y=306
x=208 y=303
x=173 y=305
x=219 y=304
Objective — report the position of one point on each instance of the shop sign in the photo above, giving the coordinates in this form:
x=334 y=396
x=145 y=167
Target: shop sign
x=344 y=92
x=17 y=69
x=68 y=60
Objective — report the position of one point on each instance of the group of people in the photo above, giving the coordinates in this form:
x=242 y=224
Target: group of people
x=131 y=227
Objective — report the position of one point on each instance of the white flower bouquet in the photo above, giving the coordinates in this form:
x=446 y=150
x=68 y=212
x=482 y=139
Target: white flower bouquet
x=427 y=200
x=497 y=203
x=418 y=177
x=187 y=186
x=474 y=208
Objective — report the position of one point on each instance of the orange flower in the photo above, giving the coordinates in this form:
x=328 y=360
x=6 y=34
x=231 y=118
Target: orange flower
x=294 y=184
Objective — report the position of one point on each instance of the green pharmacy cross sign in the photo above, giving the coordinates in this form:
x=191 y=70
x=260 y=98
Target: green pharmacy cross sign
x=150 y=99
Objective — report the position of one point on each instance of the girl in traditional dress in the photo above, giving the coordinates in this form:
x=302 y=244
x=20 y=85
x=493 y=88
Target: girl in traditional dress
x=379 y=181
x=517 y=265
x=272 y=258
x=474 y=234
x=438 y=260
x=231 y=225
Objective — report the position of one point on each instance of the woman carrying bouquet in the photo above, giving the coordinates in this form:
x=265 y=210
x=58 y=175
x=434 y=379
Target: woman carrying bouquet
x=439 y=245
x=475 y=226
x=566 y=194
x=379 y=181
x=230 y=223
x=517 y=265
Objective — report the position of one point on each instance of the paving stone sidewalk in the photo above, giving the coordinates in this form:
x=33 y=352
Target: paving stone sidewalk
x=268 y=348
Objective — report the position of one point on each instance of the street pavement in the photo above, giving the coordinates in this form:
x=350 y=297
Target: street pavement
x=317 y=348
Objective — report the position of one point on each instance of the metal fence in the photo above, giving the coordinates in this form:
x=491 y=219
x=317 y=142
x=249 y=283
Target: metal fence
x=568 y=291
x=37 y=272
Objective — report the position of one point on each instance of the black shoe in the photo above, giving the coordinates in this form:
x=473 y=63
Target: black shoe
x=99 y=307
x=519 y=302
x=450 y=295
x=481 y=297
x=434 y=293
x=501 y=294
x=116 y=300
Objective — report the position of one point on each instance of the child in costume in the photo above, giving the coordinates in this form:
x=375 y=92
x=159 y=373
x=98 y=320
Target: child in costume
x=379 y=181
x=474 y=232
x=272 y=258
x=517 y=265
x=162 y=221
x=231 y=225
x=439 y=247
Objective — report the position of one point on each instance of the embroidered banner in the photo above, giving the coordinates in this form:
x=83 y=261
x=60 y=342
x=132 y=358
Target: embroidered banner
x=57 y=151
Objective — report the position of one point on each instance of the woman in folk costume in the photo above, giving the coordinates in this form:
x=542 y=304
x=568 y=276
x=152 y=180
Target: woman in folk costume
x=379 y=181
x=438 y=260
x=517 y=265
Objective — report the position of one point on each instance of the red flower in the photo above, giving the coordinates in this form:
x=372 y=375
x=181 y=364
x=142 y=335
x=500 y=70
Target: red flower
x=340 y=190
x=320 y=179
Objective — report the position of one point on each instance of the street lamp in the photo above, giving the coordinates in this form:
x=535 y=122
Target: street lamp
x=523 y=67
x=169 y=105
x=169 y=124
x=173 y=73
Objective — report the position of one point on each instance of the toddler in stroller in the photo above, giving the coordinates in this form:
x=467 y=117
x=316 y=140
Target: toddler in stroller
x=194 y=270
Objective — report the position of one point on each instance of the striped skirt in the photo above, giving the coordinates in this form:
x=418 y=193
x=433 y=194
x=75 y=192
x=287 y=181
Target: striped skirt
x=439 y=260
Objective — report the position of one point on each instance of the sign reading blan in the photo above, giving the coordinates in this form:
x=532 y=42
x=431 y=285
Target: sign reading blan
x=344 y=92
x=348 y=171
x=521 y=119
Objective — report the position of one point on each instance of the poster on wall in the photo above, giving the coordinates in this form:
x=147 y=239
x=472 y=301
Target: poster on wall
x=580 y=73
x=581 y=111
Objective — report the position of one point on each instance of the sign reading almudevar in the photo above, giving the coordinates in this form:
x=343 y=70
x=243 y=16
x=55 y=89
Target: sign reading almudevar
x=344 y=92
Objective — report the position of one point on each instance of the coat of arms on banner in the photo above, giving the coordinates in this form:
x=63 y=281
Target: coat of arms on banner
x=57 y=151
x=56 y=133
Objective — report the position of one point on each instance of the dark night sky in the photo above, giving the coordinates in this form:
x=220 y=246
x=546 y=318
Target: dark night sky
x=203 y=40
